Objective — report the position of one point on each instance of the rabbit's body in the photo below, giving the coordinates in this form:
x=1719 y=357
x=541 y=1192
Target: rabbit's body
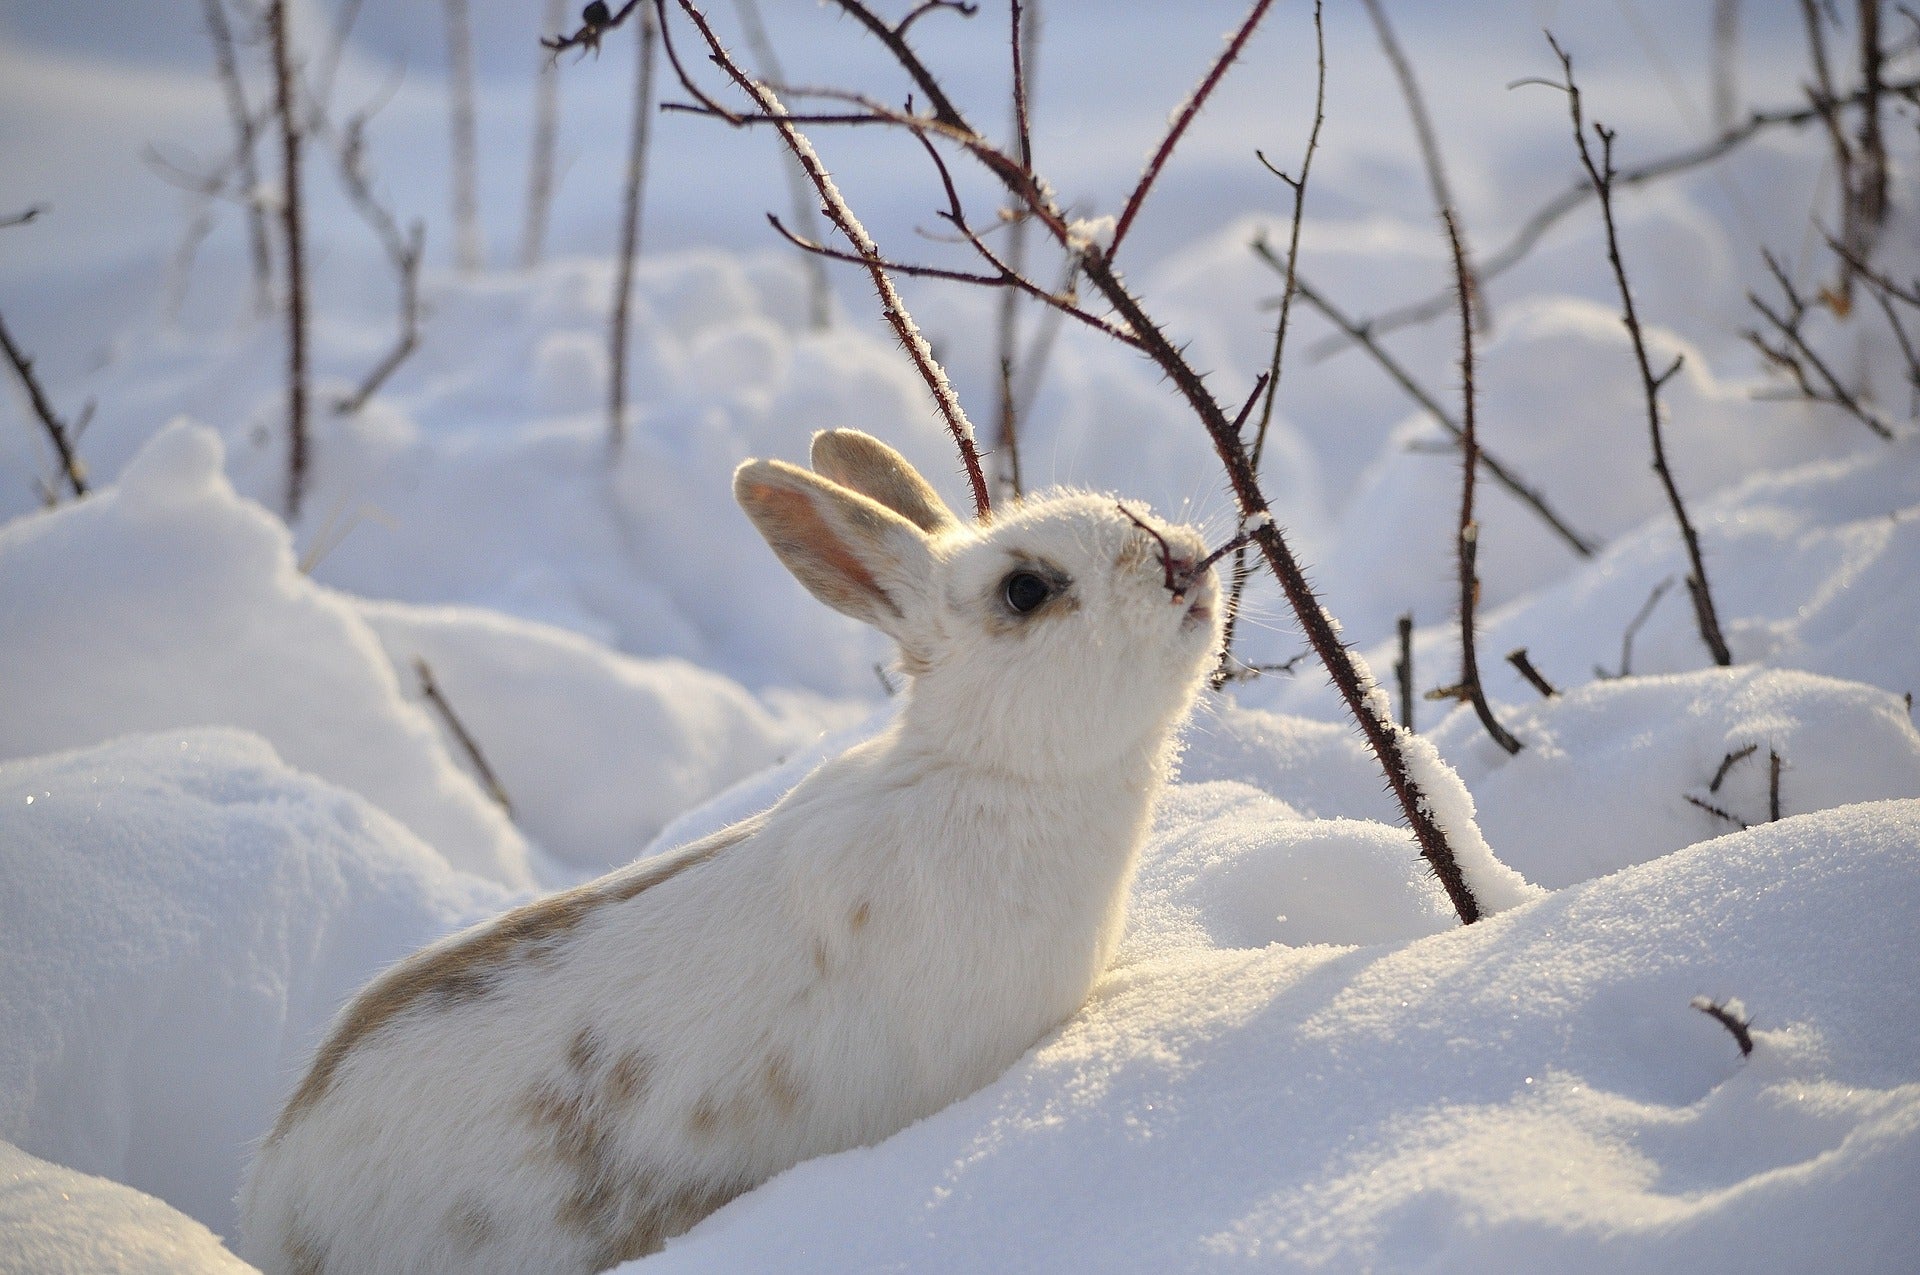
x=566 y=1086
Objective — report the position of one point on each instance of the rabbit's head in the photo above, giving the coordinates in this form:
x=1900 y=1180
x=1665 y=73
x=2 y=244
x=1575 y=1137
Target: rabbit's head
x=1069 y=633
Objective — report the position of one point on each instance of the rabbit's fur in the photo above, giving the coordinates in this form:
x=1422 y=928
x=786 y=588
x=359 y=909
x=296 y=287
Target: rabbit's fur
x=564 y=1087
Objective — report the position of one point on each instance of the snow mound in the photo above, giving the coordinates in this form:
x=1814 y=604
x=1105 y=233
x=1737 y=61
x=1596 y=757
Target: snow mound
x=1231 y=867
x=1607 y=769
x=179 y=916
x=1532 y=1091
x=54 y=1221
x=169 y=602
x=597 y=751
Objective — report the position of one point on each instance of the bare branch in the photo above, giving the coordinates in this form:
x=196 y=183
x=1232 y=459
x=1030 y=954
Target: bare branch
x=23 y=218
x=1467 y=541
x=1731 y=1015
x=546 y=128
x=1727 y=763
x=294 y=245
x=1796 y=355
x=430 y=690
x=1580 y=190
x=1520 y=661
x=1633 y=628
x=404 y=250
x=633 y=193
x=1423 y=132
x=471 y=252
x=1497 y=469
x=1773 y=786
x=805 y=215
x=1715 y=811
x=246 y=138
x=1601 y=174
x=58 y=434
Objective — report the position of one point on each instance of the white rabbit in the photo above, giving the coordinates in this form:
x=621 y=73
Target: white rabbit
x=565 y=1087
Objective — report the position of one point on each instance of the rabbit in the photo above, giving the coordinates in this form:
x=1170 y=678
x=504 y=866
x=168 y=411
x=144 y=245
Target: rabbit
x=567 y=1086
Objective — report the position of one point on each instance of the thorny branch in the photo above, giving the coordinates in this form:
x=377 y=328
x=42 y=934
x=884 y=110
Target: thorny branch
x=1601 y=174
x=294 y=244
x=1731 y=1015
x=58 y=433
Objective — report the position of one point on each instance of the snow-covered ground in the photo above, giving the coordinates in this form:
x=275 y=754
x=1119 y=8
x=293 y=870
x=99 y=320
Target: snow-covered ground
x=225 y=801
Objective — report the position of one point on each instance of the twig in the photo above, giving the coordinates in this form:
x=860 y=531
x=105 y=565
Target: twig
x=1520 y=661
x=62 y=438
x=1731 y=1015
x=546 y=128
x=245 y=135
x=1716 y=811
x=1185 y=117
x=1496 y=469
x=1242 y=566
x=1773 y=786
x=805 y=215
x=471 y=250
x=1423 y=132
x=1023 y=31
x=430 y=689
x=404 y=250
x=1797 y=354
x=634 y=192
x=1602 y=175
x=595 y=21
x=1578 y=192
x=294 y=244
x=1633 y=628
x=1728 y=762
x=1403 y=669
x=1467 y=541
x=23 y=218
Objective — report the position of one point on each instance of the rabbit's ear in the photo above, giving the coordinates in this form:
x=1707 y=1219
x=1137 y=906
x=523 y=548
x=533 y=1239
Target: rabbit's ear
x=853 y=553
x=875 y=470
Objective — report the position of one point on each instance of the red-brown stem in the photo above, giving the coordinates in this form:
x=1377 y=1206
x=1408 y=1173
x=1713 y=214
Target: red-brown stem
x=1235 y=43
x=70 y=467
x=293 y=233
x=1355 y=691
x=1467 y=541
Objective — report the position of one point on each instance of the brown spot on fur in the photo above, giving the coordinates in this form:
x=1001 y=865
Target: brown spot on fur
x=583 y=1049
x=470 y=1224
x=629 y=1078
x=471 y=964
x=858 y=921
x=783 y=1086
x=704 y=1119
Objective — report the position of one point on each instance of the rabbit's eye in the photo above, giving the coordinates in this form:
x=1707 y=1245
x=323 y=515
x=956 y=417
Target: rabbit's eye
x=1024 y=591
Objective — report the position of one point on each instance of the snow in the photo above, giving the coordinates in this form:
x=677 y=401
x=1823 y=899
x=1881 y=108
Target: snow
x=225 y=802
